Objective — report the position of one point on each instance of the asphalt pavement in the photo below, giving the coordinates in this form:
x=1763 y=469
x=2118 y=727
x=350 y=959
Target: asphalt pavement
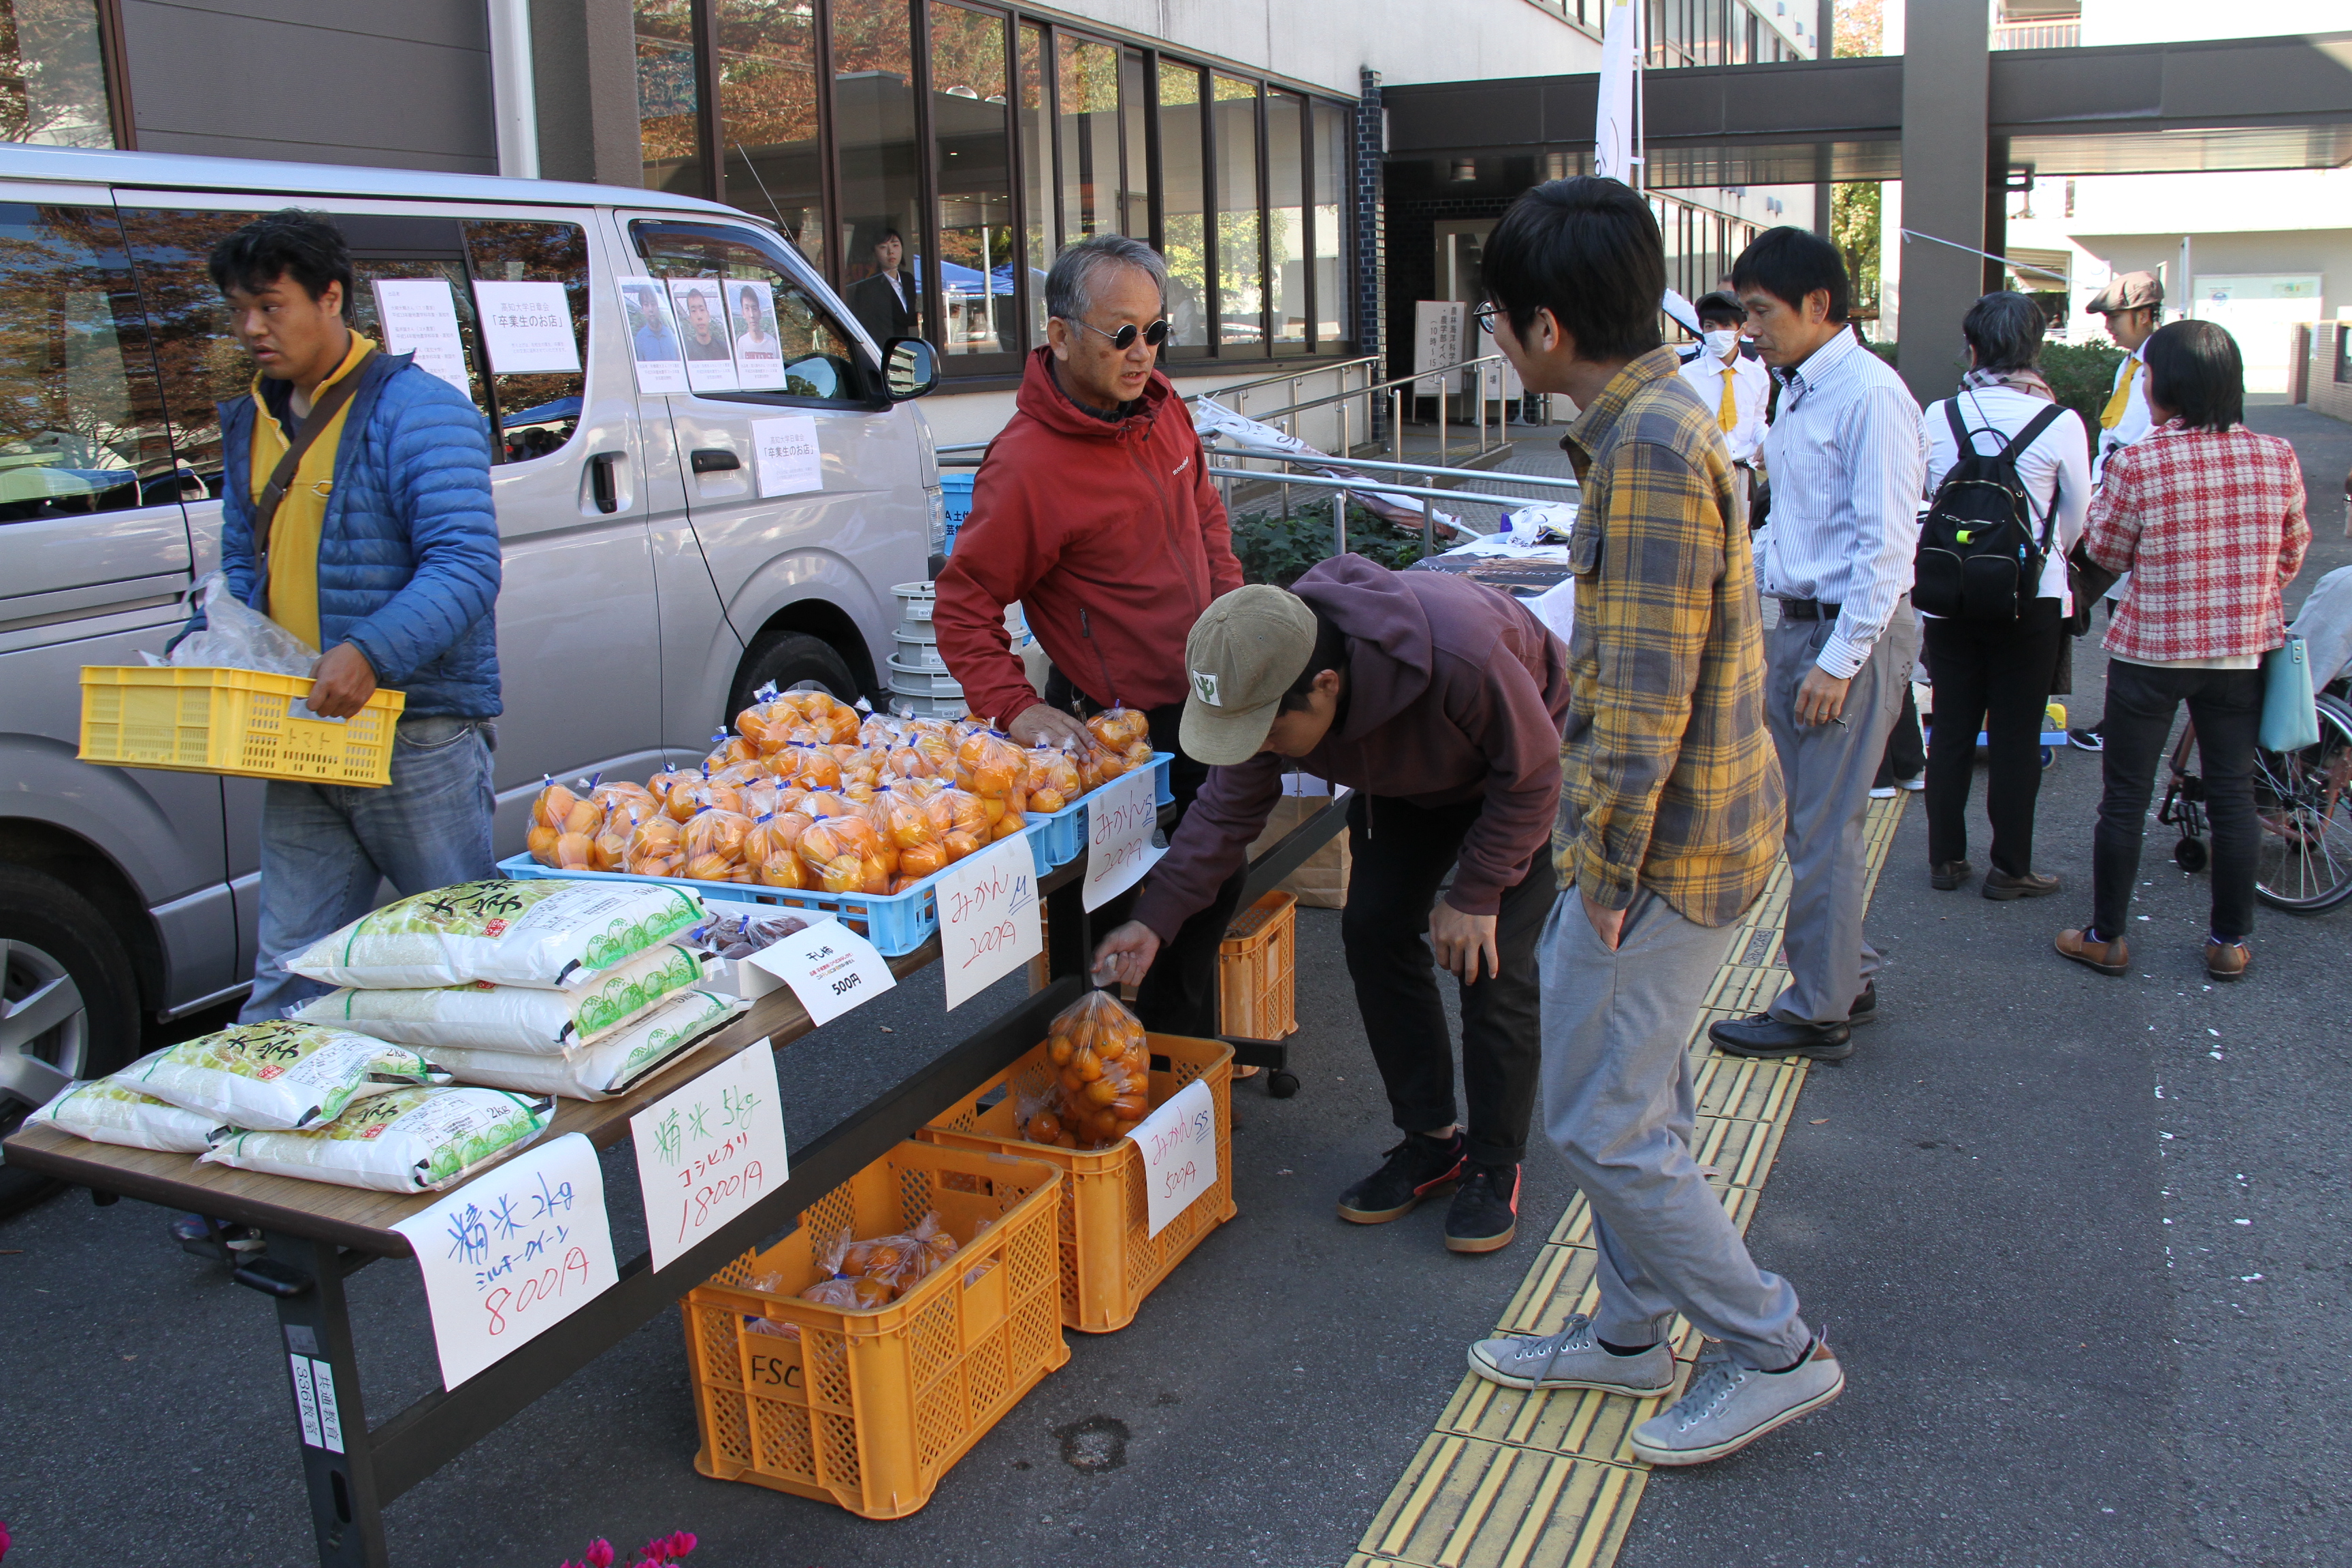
x=2080 y=1241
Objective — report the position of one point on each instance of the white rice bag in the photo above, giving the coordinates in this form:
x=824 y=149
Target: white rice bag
x=602 y=1069
x=543 y=933
x=410 y=1140
x=513 y=1018
x=108 y=1110
x=279 y=1074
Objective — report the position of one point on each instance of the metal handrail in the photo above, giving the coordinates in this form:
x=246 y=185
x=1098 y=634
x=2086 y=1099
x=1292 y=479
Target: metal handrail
x=1339 y=501
x=1262 y=454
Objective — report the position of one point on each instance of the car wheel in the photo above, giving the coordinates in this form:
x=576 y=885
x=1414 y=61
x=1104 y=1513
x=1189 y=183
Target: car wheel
x=68 y=1001
x=793 y=661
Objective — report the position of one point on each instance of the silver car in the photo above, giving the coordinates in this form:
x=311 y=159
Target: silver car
x=658 y=568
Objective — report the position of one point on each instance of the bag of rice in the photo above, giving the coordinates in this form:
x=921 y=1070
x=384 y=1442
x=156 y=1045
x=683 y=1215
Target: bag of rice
x=544 y=935
x=602 y=1069
x=108 y=1110
x=513 y=1018
x=279 y=1074
x=410 y=1140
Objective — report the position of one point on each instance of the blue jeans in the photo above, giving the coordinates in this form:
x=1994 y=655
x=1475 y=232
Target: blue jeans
x=325 y=847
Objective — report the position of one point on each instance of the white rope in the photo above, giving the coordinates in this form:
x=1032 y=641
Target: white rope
x=1987 y=255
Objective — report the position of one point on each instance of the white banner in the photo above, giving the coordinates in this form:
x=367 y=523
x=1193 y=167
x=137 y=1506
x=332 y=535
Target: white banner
x=1613 y=122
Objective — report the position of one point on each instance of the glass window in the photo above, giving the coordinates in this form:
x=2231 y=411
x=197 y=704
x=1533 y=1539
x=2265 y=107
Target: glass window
x=81 y=425
x=1286 y=217
x=975 y=181
x=819 y=356
x=1332 y=168
x=1037 y=173
x=536 y=412
x=767 y=115
x=1241 y=267
x=880 y=219
x=1135 y=107
x=1087 y=101
x=1183 y=204
x=52 y=74
x=669 y=106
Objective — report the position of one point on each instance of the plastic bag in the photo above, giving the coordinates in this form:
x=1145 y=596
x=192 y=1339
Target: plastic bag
x=512 y=1018
x=281 y=1075
x=1122 y=730
x=112 y=1109
x=702 y=794
x=1103 y=1069
x=656 y=848
x=1052 y=779
x=990 y=768
x=812 y=767
x=238 y=636
x=714 y=846
x=837 y=1288
x=410 y=1140
x=550 y=933
x=608 y=1066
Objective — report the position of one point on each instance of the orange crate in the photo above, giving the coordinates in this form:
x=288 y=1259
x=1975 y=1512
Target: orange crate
x=1257 y=970
x=868 y=1409
x=201 y=719
x=1110 y=1259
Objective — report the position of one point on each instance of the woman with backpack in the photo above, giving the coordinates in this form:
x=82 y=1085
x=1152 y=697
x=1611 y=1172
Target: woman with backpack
x=2003 y=451
x=2209 y=518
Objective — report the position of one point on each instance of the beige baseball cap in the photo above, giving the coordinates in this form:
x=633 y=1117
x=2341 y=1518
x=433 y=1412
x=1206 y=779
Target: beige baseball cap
x=2131 y=291
x=1245 y=652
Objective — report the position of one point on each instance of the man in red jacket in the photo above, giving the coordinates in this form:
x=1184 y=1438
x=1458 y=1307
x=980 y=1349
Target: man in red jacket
x=1093 y=511
x=1439 y=703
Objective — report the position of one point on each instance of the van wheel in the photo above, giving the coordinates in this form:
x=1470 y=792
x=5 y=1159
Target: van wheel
x=68 y=1001
x=793 y=661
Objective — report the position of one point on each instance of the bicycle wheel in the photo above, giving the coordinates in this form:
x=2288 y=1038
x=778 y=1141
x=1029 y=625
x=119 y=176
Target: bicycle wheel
x=2304 y=803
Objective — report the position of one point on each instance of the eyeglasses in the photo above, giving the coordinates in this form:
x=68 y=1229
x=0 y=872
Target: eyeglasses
x=1124 y=339
x=1484 y=316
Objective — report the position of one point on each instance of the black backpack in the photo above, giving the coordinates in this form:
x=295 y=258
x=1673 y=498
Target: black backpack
x=1979 y=557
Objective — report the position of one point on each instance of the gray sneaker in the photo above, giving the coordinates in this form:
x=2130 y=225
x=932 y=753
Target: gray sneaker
x=1728 y=1406
x=1572 y=1358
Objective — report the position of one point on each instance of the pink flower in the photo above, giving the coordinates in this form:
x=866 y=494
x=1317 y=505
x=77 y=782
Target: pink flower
x=600 y=1553
x=3 y=1538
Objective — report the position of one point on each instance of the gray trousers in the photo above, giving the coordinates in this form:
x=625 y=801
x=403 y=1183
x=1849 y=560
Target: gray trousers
x=1827 y=770
x=1618 y=1099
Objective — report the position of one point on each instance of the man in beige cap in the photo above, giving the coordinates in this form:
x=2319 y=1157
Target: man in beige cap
x=1438 y=701
x=2133 y=305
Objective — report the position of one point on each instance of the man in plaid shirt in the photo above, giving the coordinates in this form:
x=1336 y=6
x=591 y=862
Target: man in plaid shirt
x=1670 y=817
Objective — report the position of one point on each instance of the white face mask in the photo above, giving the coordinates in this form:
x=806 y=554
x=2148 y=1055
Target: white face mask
x=1720 y=344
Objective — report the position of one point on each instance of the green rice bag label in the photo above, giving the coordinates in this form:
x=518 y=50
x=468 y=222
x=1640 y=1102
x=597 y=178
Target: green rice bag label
x=468 y=909
x=622 y=997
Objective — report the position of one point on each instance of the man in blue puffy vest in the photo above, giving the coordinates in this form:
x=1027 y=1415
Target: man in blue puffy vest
x=380 y=549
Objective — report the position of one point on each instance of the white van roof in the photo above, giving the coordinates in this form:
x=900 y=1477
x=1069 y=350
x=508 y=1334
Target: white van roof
x=175 y=171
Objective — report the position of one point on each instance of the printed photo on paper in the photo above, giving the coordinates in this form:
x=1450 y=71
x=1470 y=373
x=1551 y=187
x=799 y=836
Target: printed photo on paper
x=702 y=332
x=654 y=346
x=758 y=352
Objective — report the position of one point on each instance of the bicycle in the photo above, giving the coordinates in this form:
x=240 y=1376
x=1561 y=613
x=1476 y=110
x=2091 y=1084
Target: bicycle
x=2303 y=800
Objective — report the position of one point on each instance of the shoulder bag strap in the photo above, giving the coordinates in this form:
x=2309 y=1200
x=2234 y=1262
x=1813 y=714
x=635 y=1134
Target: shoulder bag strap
x=282 y=477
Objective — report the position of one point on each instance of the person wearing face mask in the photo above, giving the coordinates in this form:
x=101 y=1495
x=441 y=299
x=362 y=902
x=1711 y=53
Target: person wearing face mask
x=1439 y=703
x=1733 y=384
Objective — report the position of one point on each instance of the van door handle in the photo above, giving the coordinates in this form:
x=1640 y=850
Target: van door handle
x=600 y=481
x=715 y=460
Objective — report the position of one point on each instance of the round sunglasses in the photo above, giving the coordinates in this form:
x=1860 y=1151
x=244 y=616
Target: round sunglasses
x=1124 y=339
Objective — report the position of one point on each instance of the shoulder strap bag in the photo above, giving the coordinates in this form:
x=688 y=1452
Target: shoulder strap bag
x=282 y=477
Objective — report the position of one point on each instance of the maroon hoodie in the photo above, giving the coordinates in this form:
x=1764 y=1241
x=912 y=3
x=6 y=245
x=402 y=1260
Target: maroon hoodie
x=1454 y=692
x=1109 y=534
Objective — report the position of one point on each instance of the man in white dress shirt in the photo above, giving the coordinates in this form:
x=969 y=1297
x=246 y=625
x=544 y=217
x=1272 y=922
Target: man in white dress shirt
x=2133 y=305
x=1843 y=454
x=1733 y=384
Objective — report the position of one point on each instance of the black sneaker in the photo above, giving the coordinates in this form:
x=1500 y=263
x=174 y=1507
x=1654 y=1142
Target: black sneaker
x=2086 y=740
x=1484 y=1214
x=1416 y=1168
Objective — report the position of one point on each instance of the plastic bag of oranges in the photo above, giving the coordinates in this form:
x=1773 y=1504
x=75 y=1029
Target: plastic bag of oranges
x=1102 y=1066
x=701 y=793
x=1125 y=731
x=714 y=846
x=560 y=825
x=656 y=848
x=1052 y=779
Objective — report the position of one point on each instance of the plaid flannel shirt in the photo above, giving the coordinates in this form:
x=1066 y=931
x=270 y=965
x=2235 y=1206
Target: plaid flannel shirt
x=2210 y=525
x=1670 y=780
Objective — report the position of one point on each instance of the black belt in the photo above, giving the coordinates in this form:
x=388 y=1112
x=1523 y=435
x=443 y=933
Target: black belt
x=1807 y=610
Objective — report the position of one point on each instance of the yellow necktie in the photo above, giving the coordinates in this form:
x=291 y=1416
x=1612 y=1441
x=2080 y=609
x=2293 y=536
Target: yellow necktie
x=1727 y=414
x=2113 y=414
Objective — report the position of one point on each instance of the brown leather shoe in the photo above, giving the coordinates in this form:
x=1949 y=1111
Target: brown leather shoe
x=2226 y=961
x=2107 y=957
x=1999 y=886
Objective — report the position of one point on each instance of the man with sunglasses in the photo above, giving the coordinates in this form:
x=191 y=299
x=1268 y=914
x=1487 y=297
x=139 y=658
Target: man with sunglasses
x=1094 y=510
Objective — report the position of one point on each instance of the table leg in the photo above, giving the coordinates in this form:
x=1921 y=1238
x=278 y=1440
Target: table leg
x=338 y=1461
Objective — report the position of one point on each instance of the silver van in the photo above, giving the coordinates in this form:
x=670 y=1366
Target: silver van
x=650 y=587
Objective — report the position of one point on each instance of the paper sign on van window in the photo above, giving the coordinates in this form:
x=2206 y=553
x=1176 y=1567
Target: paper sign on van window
x=653 y=336
x=527 y=327
x=419 y=316
x=752 y=315
x=784 y=451
x=702 y=332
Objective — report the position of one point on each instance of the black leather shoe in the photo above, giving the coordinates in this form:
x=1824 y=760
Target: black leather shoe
x=1417 y=1168
x=1767 y=1035
x=2000 y=886
x=1866 y=1006
x=1484 y=1214
x=1947 y=875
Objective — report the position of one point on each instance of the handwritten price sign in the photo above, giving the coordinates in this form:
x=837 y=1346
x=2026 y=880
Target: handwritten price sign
x=988 y=917
x=1179 y=1153
x=829 y=967
x=1120 y=820
x=512 y=1253
x=708 y=1152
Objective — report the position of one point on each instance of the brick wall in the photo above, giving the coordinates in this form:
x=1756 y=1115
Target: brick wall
x=1372 y=262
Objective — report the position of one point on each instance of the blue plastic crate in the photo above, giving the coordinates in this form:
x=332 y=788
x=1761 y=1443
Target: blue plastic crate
x=896 y=923
x=956 y=490
x=1064 y=831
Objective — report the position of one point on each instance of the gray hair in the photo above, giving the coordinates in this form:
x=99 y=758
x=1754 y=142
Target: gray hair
x=1070 y=286
x=2005 y=328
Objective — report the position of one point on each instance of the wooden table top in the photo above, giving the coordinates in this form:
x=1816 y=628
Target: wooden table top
x=359 y=1217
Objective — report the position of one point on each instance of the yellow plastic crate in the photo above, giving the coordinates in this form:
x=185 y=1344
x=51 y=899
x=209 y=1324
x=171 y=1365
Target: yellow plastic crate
x=1257 y=970
x=200 y=719
x=1110 y=1259
x=867 y=1408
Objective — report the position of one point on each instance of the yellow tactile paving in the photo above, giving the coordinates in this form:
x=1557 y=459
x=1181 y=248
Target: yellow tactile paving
x=1508 y=1480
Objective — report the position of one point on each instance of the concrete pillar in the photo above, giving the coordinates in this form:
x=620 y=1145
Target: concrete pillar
x=585 y=52
x=1371 y=226
x=1945 y=72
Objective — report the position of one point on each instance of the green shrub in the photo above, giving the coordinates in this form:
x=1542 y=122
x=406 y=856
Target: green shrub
x=2082 y=374
x=1279 y=550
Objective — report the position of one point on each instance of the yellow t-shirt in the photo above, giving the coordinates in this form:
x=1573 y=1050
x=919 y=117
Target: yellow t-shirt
x=293 y=599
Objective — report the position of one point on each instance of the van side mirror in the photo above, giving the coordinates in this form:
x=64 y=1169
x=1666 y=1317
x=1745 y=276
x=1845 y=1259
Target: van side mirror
x=911 y=367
